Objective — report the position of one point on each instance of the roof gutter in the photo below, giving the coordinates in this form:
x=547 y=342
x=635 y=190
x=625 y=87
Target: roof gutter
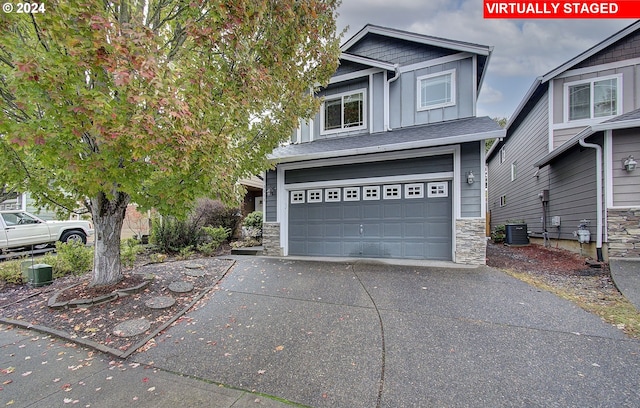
x=598 y=149
x=387 y=101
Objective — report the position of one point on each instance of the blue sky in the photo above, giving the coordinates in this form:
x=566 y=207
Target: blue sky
x=524 y=49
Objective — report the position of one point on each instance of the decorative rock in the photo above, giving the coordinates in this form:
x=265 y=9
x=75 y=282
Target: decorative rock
x=160 y=302
x=132 y=328
x=194 y=266
x=181 y=287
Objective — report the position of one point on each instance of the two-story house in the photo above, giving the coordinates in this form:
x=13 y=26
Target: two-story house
x=392 y=165
x=566 y=166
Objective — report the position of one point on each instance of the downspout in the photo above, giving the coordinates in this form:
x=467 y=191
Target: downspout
x=396 y=68
x=598 y=195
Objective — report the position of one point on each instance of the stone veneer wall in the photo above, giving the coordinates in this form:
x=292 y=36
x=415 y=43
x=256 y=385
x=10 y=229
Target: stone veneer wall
x=471 y=241
x=623 y=230
x=271 y=239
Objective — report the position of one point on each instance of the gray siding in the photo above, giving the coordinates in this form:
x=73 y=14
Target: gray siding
x=626 y=48
x=626 y=186
x=572 y=192
x=471 y=195
x=526 y=145
x=403 y=96
x=270 y=201
x=416 y=165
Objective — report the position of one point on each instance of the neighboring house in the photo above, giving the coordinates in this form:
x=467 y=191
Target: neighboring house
x=562 y=161
x=392 y=165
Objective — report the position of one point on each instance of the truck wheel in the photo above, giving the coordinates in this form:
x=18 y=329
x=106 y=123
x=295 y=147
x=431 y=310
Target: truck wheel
x=77 y=236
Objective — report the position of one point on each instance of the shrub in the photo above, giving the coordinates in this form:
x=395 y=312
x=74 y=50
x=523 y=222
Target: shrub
x=254 y=220
x=171 y=234
x=214 y=238
x=129 y=250
x=498 y=234
x=11 y=272
x=72 y=257
x=213 y=213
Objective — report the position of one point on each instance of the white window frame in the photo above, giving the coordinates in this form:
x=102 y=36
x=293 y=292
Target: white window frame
x=332 y=195
x=348 y=194
x=392 y=192
x=414 y=190
x=514 y=169
x=370 y=189
x=297 y=197
x=450 y=73
x=342 y=128
x=503 y=201
x=314 y=196
x=438 y=189
x=503 y=155
x=591 y=82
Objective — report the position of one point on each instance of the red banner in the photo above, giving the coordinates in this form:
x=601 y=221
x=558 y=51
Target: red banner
x=562 y=9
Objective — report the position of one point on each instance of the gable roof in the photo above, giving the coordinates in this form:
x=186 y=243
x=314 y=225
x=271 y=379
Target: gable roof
x=431 y=135
x=541 y=83
x=417 y=38
x=482 y=52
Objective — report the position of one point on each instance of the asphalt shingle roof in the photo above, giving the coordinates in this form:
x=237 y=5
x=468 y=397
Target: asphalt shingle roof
x=438 y=134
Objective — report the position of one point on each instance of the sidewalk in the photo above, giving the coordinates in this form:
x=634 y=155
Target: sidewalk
x=626 y=275
x=39 y=370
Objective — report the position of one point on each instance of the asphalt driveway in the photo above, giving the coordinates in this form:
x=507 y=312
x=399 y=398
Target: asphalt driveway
x=375 y=335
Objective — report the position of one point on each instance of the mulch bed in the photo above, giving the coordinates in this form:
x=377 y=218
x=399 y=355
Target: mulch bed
x=557 y=268
x=96 y=324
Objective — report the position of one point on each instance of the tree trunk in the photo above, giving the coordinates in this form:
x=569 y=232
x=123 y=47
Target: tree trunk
x=108 y=217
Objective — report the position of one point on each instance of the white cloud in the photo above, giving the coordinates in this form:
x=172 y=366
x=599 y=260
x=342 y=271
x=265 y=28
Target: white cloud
x=489 y=95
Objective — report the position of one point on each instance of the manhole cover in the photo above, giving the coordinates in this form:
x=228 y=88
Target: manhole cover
x=181 y=287
x=132 y=328
x=160 y=302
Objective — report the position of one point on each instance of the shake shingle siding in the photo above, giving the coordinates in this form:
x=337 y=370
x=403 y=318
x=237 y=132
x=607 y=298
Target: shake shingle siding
x=627 y=48
x=396 y=51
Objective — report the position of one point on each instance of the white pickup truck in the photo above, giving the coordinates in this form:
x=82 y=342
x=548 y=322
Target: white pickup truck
x=19 y=229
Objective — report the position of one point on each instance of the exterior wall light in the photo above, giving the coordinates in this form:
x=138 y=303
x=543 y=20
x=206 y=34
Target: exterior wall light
x=270 y=191
x=470 y=177
x=629 y=164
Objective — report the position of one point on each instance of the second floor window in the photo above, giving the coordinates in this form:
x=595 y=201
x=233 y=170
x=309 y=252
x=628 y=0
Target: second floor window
x=596 y=98
x=436 y=90
x=344 y=111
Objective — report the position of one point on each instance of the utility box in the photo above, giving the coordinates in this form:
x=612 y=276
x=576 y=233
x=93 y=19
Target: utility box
x=40 y=275
x=516 y=234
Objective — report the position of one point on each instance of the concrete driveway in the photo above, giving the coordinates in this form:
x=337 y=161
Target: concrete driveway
x=363 y=334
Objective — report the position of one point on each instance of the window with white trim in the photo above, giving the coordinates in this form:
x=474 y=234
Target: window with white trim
x=437 y=90
x=297 y=197
x=314 y=196
x=514 y=168
x=392 y=192
x=351 y=194
x=503 y=200
x=438 y=189
x=415 y=190
x=503 y=155
x=593 y=99
x=332 y=195
x=345 y=111
x=371 y=193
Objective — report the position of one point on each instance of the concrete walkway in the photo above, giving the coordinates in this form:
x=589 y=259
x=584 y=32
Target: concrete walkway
x=626 y=275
